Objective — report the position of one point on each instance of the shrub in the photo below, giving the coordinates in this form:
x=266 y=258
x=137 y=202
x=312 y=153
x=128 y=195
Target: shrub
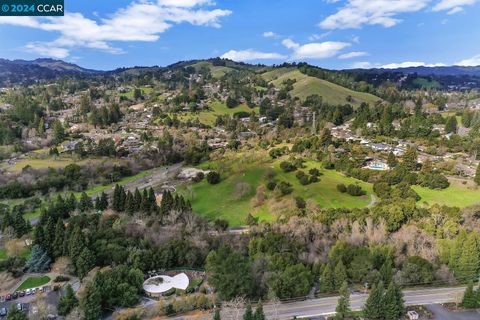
x=271 y=185
x=220 y=225
x=287 y=166
x=199 y=177
x=355 y=190
x=213 y=177
x=300 y=202
x=313 y=179
x=341 y=188
x=285 y=188
x=314 y=172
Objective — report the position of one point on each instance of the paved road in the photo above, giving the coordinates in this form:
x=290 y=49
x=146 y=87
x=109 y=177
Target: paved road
x=315 y=308
x=440 y=313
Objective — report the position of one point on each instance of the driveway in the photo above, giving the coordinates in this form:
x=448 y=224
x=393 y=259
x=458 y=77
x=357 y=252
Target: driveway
x=440 y=313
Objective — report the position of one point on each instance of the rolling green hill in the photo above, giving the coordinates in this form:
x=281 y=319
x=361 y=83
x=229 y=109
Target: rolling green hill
x=306 y=86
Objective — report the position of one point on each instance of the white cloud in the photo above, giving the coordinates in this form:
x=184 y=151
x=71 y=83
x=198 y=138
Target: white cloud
x=353 y=54
x=453 y=6
x=250 y=54
x=356 y=39
x=270 y=34
x=409 y=64
x=316 y=37
x=357 y=13
x=315 y=50
x=471 y=62
x=140 y=21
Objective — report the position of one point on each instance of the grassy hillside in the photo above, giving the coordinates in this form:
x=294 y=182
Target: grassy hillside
x=306 y=85
x=218 y=108
x=217 y=71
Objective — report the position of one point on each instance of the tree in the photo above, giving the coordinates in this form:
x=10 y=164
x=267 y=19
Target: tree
x=327 y=283
x=392 y=160
x=248 y=315
x=451 y=125
x=294 y=281
x=85 y=203
x=469 y=261
x=477 y=176
x=84 y=263
x=68 y=302
x=410 y=158
x=386 y=271
x=213 y=177
x=340 y=275
x=394 y=305
x=373 y=309
x=58 y=132
x=15 y=314
x=39 y=260
x=102 y=202
x=259 y=315
x=343 y=306
x=229 y=273
x=59 y=238
x=469 y=300
x=216 y=315
x=91 y=302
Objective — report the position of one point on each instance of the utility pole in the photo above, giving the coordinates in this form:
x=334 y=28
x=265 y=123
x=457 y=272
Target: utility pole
x=314 y=124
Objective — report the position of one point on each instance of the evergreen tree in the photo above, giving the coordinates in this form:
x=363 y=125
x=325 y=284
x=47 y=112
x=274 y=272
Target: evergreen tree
x=259 y=315
x=451 y=125
x=91 y=302
x=84 y=263
x=76 y=243
x=49 y=234
x=68 y=302
x=248 y=315
x=373 y=309
x=85 y=203
x=410 y=158
x=118 y=203
x=145 y=206
x=343 y=306
x=477 y=176
x=15 y=314
x=394 y=305
x=392 y=160
x=20 y=225
x=72 y=202
x=340 y=275
x=469 y=261
x=137 y=199
x=469 y=300
x=59 y=239
x=39 y=260
x=129 y=203
x=327 y=283
x=386 y=271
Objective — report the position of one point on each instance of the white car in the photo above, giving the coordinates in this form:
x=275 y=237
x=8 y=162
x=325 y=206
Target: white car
x=28 y=292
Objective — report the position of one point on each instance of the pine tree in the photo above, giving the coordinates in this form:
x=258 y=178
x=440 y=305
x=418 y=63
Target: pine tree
x=469 y=300
x=340 y=275
x=68 y=302
x=20 y=225
x=394 y=305
x=76 y=243
x=84 y=263
x=91 y=302
x=103 y=201
x=85 y=203
x=392 y=160
x=373 y=309
x=451 y=125
x=259 y=315
x=145 y=206
x=137 y=199
x=49 y=234
x=129 y=203
x=477 y=176
x=248 y=315
x=72 y=202
x=410 y=158
x=59 y=239
x=39 y=260
x=327 y=279
x=343 y=306
x=119 y=196
x=152 y=199
x=386 y=271
x=216 y=315
x=469 y=262
x=15 y=314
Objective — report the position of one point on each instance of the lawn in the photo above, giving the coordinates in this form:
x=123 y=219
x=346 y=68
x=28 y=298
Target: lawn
x=330 y=92
x=457 y=195
x=129 y=94
x=34 y=282
x=216 y=71
x=232 y=198
x=3 y=254
x=218 y=108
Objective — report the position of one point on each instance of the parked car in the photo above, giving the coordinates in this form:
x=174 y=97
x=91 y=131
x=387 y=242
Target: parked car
x=34 y=290
x=22 y=293
x=15 y=295
x=8 y=297
x=19 y=306
x=2 y=298
x=28 y=292
x=3 y=312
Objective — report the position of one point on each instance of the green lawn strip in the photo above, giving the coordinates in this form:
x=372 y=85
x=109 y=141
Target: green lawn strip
x=3 y=254
x=457 y=195
x=34 y=282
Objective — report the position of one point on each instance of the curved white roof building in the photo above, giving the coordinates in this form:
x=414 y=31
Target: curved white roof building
x=161 y=284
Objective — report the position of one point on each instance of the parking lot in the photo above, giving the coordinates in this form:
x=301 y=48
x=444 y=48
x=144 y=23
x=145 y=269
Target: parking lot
x=23 y=299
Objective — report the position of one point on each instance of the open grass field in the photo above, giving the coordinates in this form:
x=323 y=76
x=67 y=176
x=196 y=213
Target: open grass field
x=306 y=86
x=216 y=71
x=218 y=108
x=34 y=282
x=457 y=195
x=129 y=94
x=3 y=253
x=49 y=162
x=234 y=197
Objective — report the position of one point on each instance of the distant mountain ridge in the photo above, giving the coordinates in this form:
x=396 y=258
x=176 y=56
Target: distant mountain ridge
x=429 y=71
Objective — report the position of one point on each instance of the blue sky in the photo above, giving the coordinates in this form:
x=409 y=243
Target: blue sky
x=330 y=33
